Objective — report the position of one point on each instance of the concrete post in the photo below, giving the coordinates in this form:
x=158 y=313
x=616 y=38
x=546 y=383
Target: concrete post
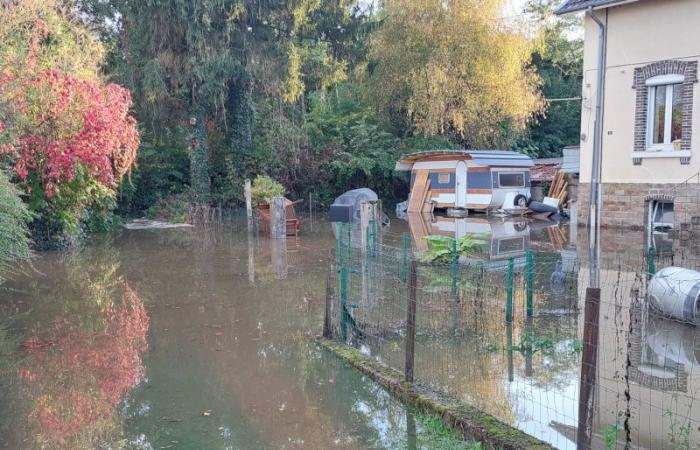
x=248 y=190
x=278 y=221
x=368 y=212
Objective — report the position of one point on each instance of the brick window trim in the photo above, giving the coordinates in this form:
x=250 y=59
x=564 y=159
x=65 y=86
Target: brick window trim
x=689 y=71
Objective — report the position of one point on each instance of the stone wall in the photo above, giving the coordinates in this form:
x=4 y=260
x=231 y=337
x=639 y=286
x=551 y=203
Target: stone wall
x=625 y=204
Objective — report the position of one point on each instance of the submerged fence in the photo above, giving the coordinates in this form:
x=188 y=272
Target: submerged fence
x=508 y=335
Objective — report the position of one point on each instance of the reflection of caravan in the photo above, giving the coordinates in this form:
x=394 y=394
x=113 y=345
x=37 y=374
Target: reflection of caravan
x=467 y=179
x=508 y=238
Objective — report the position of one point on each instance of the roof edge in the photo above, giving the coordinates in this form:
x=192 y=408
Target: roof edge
x=569 y=6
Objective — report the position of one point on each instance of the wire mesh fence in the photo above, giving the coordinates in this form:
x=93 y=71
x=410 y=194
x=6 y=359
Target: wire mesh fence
x=512 y=336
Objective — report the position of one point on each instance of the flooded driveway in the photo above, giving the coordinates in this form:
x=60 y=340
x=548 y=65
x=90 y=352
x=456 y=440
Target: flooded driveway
x=184 y=339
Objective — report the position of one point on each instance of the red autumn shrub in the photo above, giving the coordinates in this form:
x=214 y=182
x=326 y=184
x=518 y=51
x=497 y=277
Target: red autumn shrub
x=61 y=121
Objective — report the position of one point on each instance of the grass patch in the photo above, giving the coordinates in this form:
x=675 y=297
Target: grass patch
x=435 y=434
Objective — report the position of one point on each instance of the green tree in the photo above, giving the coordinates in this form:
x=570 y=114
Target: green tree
x=559 y=62
x=452 y=68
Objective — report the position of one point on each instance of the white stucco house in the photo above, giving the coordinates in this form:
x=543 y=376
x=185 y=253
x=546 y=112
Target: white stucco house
x=650 y=133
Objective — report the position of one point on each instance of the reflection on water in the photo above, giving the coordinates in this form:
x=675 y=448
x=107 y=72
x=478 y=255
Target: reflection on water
x=183 y=338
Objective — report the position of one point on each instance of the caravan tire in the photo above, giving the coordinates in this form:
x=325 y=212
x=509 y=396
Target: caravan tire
x=520 y=200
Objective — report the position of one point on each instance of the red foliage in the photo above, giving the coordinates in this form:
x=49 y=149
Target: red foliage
x=66 y=121
x=80 y=377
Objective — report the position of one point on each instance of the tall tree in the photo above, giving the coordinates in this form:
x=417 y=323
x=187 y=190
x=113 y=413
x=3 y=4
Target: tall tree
x=178 y=57
x=559 y=62
x=453 y=68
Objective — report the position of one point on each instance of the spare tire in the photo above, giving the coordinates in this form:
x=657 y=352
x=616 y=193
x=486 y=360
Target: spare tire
x=520 y=200
x=540 y=207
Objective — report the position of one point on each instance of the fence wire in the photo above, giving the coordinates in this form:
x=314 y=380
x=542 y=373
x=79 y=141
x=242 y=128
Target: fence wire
x=507 y=336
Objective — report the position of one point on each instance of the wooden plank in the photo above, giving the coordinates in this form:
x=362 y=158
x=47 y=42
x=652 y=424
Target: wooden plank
x=427 y=204
x=418 y=192
x=419 y=226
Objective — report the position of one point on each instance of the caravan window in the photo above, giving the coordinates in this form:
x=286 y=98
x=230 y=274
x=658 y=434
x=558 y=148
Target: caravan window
x=443 y=178
x=511 y=180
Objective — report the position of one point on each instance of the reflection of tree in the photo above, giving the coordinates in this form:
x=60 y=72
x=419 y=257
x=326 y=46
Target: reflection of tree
x=76 y=375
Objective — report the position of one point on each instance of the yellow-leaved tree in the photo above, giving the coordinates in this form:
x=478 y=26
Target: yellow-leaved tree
x=454 y=67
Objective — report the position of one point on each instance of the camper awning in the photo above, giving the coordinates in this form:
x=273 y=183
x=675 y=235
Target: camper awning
x=502 y=158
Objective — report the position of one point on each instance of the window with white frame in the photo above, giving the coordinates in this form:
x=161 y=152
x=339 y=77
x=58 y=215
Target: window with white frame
x=664 y=113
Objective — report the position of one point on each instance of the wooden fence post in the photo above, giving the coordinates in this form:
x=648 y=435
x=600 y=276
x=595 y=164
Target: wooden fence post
x=411 y=321
x=589 y=368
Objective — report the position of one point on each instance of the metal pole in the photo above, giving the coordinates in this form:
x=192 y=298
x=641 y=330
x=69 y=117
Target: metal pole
x=509 y=350
x=404 y=262
x=327 y=331
x=530 y=274
x=595 y=195
x=344 y=319
x=453 y=270
x=509 y=290
x=411 y=322
x=652 y=261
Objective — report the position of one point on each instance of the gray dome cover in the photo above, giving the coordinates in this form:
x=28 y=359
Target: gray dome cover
x=351 y=200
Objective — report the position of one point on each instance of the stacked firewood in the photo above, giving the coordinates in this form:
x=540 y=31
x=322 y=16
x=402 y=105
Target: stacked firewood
x=558 y=188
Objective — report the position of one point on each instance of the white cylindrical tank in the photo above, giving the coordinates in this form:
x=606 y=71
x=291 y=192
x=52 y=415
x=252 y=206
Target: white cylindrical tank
x=675 y=292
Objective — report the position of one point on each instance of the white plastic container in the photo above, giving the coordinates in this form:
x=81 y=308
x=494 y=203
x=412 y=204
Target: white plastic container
x=675 y=292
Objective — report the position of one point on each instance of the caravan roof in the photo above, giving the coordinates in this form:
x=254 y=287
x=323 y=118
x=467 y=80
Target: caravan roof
x=504 y=158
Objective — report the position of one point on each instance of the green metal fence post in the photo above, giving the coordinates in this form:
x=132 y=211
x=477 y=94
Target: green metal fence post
x=454 y=269
x=404 y=261
x=530 y=273
x=652 y=262
x=509 y=290
x=339 y=253
x=343 y=272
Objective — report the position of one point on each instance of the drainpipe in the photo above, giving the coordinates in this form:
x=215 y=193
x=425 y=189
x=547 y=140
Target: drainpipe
x=589 y=356
x=596 y=197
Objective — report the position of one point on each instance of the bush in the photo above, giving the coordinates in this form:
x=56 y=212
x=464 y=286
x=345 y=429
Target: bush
x=264 y=188
x=14 y=217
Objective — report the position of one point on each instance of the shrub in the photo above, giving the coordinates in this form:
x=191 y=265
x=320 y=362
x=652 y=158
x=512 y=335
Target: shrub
x=264 y=188
x=14 y=216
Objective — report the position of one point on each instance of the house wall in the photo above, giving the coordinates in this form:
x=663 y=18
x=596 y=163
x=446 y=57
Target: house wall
x=639 y=33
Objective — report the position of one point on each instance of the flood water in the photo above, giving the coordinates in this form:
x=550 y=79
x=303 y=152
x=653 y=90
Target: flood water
x=200 y=339
x=183 y=339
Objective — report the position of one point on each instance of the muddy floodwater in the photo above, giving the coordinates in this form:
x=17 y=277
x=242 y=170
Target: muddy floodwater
x=183 y=339
x=193 y=338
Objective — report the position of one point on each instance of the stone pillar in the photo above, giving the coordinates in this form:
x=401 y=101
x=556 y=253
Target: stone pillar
x=368 y=211
x=278 y=221
x=249 y=202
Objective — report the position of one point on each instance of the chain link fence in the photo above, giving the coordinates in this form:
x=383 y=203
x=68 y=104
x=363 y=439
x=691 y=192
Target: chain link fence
x=523 y=339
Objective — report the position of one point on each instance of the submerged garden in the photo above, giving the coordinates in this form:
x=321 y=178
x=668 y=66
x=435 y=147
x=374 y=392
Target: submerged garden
x=111 y=109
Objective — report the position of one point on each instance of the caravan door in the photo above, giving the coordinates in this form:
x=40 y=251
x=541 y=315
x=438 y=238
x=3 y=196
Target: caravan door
x=461 y=185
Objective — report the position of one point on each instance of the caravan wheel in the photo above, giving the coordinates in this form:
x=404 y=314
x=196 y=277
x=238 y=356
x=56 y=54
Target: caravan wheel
x=520 y=201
